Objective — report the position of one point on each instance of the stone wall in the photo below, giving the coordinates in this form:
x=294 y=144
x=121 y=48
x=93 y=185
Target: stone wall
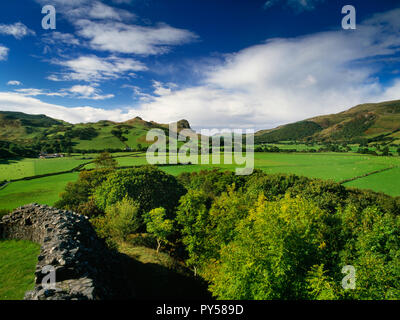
x=85 y=267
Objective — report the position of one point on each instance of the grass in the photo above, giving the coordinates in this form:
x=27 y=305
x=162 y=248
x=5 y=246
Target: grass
x=17 y=267
x=327 y=166
x=20 y=168
x=43 y=190
x=387 y=182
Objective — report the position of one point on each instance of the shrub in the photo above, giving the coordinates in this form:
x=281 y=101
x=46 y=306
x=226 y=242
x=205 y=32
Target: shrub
x=150 y=187
x=121 y=219
x=78 y=193
x=159 y=226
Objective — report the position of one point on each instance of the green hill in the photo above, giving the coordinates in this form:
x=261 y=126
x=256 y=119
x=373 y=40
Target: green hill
x=25 y=135
x=373 y=122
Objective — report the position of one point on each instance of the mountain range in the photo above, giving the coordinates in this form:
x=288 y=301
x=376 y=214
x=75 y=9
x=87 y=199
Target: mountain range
x=372 y=122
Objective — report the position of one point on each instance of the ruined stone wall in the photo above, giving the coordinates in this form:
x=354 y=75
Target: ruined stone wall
x=85 y=267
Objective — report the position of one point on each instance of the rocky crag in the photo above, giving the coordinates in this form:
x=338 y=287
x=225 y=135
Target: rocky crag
x=85 y=269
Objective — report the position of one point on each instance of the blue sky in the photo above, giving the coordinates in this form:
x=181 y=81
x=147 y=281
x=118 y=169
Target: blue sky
x=219 y=64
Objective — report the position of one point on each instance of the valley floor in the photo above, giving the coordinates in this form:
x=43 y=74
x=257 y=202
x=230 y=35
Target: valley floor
x=380 y=174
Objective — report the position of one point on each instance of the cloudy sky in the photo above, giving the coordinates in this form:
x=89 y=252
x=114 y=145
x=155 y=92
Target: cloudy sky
x=217 y=63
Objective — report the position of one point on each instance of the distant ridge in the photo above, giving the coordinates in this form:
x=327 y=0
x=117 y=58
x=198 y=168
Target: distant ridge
x=371 y=121
x=34 y=131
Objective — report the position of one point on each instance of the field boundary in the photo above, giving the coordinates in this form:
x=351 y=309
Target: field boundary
x=80 y=168
x=75 y=169
x=368 y=174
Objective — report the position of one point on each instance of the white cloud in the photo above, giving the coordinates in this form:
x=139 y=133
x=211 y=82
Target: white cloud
x=107 y=28
x=279 y=81
x=93 y=68
x=3 y=52
x=122 y=1
x=285 y=80
x=92 y=9
x=17 y=30
x=56 y=38
x=12 y=101
x=296 y=5
x=123 y=38
x=32 y=92
x=77 y=91
x=88 y=92
x=14 y=83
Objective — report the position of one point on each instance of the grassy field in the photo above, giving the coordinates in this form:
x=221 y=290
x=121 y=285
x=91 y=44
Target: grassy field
x=16 y=169
x=327 y=166
x=43 y=190
x=17 y=266
x=387 y=182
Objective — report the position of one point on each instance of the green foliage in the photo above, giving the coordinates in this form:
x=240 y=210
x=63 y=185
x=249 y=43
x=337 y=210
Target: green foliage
x=105 y=160
x=373 y=248
x=150 y=187
x=77 y=195
x=294 y=245
x=192 y=216
x=275 y=247
x=354 y=128
x=212 y=182
x=82 y=133
x=158 y=225
x=320 y=285
x=293 y=131
x=120 y=220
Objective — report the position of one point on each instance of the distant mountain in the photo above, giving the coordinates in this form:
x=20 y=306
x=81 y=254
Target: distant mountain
x=367 y=122
x=39 y=132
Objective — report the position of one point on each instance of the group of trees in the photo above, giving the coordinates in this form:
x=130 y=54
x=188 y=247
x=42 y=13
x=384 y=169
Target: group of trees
x=330 y=147
x=253 y=237
x=12 y=150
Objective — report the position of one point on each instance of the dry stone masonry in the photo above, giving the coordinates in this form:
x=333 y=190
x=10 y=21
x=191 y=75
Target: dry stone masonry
x=85 y=268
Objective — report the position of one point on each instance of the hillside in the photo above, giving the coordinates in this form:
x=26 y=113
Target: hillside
x=24 y=134
x=371 y=122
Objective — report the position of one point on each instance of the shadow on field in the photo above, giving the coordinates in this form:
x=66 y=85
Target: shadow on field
x=10 y=161
x=152 y=281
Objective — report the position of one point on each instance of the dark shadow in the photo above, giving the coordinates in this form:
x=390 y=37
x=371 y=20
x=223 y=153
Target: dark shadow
x=9 y=161
x=150 y=281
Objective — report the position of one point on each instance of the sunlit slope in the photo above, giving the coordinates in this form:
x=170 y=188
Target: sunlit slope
x=373 y=121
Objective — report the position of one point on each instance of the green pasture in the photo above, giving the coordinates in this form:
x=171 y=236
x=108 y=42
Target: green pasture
x=327 y=166
x=17 y=268
x=43 y=190
x=386 y=181
x=16 y=169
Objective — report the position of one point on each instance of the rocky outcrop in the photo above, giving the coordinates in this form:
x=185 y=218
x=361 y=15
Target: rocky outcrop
x=84 y=267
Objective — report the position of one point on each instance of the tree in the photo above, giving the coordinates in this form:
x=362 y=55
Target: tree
x=150 y=187
x=105 y=160
x=77 y=195
x=276 y=246
x=385 y=151
x=121 y=219
x=158 y=225
x=192 y=216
